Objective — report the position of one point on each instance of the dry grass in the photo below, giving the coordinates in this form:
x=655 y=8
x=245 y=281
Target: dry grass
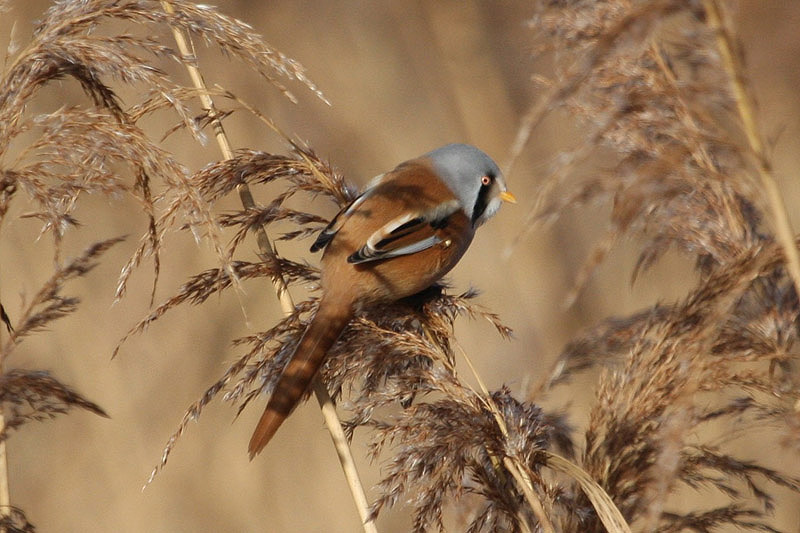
x=680 y=387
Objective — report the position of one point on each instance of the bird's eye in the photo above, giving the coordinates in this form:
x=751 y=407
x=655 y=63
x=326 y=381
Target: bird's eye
x=486 y=180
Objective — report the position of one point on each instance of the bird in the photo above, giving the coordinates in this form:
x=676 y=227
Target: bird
x=407 y=229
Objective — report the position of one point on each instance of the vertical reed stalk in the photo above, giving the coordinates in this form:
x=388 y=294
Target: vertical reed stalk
x=327 y=407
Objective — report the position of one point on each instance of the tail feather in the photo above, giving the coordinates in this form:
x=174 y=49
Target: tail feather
x=309 y=355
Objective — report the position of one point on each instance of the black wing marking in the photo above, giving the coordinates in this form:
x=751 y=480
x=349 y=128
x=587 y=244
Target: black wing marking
x=404 y=235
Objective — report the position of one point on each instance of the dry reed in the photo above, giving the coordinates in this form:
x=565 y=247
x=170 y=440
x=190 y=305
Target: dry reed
x=645 y=80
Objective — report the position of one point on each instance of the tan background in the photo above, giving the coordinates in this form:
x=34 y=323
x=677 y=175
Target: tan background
x=402 y=80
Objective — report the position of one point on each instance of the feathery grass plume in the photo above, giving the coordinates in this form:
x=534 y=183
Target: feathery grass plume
x=99 y=147
x=301 y=172
x=79 y=149
x=36 y=395
x=645 y=436
x=446 y=448
x=48 y=304
x=446 y=441
x=251 y=167
x=654 y=101
x=391 y=352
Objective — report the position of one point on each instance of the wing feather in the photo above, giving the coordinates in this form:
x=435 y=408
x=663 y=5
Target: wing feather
x=406 y=234
x=335 y=225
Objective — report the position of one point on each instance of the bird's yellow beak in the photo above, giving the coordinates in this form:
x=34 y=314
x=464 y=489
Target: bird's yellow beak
x=508 y=197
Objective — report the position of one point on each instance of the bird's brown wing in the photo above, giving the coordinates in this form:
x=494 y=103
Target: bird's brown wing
x=407 y=234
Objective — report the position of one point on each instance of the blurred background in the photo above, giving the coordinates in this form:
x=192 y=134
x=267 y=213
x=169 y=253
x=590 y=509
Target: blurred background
x=402 y=78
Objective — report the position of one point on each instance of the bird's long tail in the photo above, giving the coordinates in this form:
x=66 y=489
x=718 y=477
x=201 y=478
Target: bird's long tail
x=325 y=328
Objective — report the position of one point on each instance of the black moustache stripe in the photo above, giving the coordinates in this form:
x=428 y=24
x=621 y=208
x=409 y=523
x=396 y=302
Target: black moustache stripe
x=480 y=203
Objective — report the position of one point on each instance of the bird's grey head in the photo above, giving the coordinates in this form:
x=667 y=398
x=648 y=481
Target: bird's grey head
x=473 y=177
